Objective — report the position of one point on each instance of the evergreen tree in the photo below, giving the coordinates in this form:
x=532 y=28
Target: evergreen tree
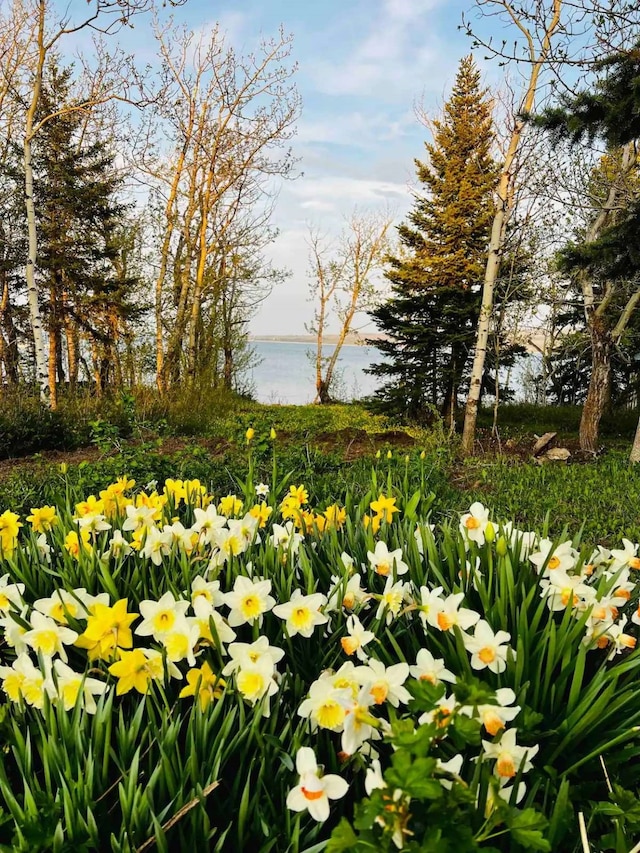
x=430 y=320
x=87 y=296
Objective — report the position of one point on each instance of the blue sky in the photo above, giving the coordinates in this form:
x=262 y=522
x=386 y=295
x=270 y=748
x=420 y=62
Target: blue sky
x=363 y=65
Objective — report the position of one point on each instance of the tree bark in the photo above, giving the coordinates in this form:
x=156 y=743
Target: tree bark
x=506 y=189
x=599 y=385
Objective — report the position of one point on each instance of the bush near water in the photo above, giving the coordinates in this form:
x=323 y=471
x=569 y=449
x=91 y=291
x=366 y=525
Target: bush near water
x=276 y=668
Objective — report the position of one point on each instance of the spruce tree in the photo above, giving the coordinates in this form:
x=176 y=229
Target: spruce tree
x=79 y=218
x=429 y=321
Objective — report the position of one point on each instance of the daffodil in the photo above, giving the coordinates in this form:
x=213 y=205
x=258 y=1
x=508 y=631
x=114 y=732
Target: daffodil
x=302 y=613
x=391 y=600
x=23 y=680
x=510 y=758
x=359 y=725
x=108 y=629
x=9 y=525
x=248 y=654
x=42 y=518
x=473 y=523
x=76 y=543
x=132 y=671
x=60 y=605
x=262 y=490
x=68 y=686
x=204 y=683
x=248 y=601
x=385 y=683
x=10 y=595
x=90 y=506
x=451 y=614
x=326 y=705
x=385 y=562
x=488 y=650
x=549 y=559
x=494 y=717
x=313 y=791
x=47 y=637
x=230 y=505
x=261 y=512
x=428 y=668
x=160 y=617
x=357 y=638
x=384 y=507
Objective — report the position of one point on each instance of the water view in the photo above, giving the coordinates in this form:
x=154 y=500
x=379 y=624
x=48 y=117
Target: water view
x=286 y=372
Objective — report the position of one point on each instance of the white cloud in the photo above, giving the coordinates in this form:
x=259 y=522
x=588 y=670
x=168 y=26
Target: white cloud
x=398 y=49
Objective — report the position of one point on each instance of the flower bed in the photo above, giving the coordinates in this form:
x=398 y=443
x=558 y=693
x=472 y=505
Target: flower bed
x=182 y=672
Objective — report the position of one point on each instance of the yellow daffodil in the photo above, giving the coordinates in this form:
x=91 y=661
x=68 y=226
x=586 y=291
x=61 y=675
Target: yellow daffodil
x=74 y=542
x=91 y=505
x=250 y=434
x=132 y=671
x=108 y=629
x=230 y=505
x=335 y=515
x=9 y=526
x=261 y=512
x=42 y=518
x=384 y=507
x=208 y=685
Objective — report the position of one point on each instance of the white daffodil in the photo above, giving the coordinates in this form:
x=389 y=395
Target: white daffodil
x=385 y=562
x=139 y=516
x=349 y=595
x=451 y=614
x=262 y=490
x=118 y=546
x=159 y=617
x=625 y=557
x=488 y=650
x=428 y=668
x=205 y=595
x=10 y=595
x=453 y=766
x=245 y=528
x=326 y=705
x=93 y=522
x=357 y=638
x=549 y=559
x=385 y=683
x=429 y=604
x=67 y=685
x=203 y=618
x=249 y=654
x=359 y=723
x=14 y=631
x=619 y=640
x=391 y=599
x=44 y=549
x=229 y=543
x=257 y=682
x=248 y=601
x=207 y=523
x=522 y=542
x=373 y=778
x=313 y=791
x=441 y=714
x=182 y=538
x=494 y=717
x=47 y=637
x=60 y=605
x=510 y=758
x=284 y=536
x=562 y=590
x=23 y=680
x=302 y=613
x=474 y=523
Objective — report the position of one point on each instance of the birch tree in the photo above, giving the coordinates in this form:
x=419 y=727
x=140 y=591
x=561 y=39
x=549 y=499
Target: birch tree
x=538 y=45
x=342 y=281
x=34 y=34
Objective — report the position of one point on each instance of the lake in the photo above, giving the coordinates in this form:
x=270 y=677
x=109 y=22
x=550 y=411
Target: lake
x=286 y=372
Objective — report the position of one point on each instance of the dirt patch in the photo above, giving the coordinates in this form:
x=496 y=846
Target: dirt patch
x=355 y=443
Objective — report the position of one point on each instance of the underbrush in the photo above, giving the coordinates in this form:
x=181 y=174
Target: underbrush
x=288 y=667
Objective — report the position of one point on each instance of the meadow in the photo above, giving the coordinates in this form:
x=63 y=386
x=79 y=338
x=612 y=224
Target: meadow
x=303 y=629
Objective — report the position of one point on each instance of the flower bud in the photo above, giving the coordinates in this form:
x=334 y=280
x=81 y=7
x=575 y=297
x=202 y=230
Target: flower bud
x=272 y=434
x=501 y=547
x=489 y=532
x=63 y=467
x=423 y=455
x=389 y=454
x=250 y=434
x=378 y=454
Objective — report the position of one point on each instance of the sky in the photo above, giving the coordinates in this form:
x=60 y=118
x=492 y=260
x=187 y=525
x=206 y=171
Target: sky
x=362 y=68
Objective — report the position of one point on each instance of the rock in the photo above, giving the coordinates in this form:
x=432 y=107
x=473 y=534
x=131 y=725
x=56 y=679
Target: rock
x=543 y=442
x=557 y=454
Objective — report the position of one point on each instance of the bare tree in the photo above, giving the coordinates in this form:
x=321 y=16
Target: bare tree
x=342 y=283
x=227 y=119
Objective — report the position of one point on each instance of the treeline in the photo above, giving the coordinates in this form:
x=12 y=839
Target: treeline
x=135 y=203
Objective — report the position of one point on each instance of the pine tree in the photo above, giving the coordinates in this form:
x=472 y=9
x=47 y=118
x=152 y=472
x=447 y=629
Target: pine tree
x=79 y=219
x=430 y=319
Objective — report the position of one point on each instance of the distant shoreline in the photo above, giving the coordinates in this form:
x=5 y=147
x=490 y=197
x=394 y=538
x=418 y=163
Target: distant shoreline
x=351 y=340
